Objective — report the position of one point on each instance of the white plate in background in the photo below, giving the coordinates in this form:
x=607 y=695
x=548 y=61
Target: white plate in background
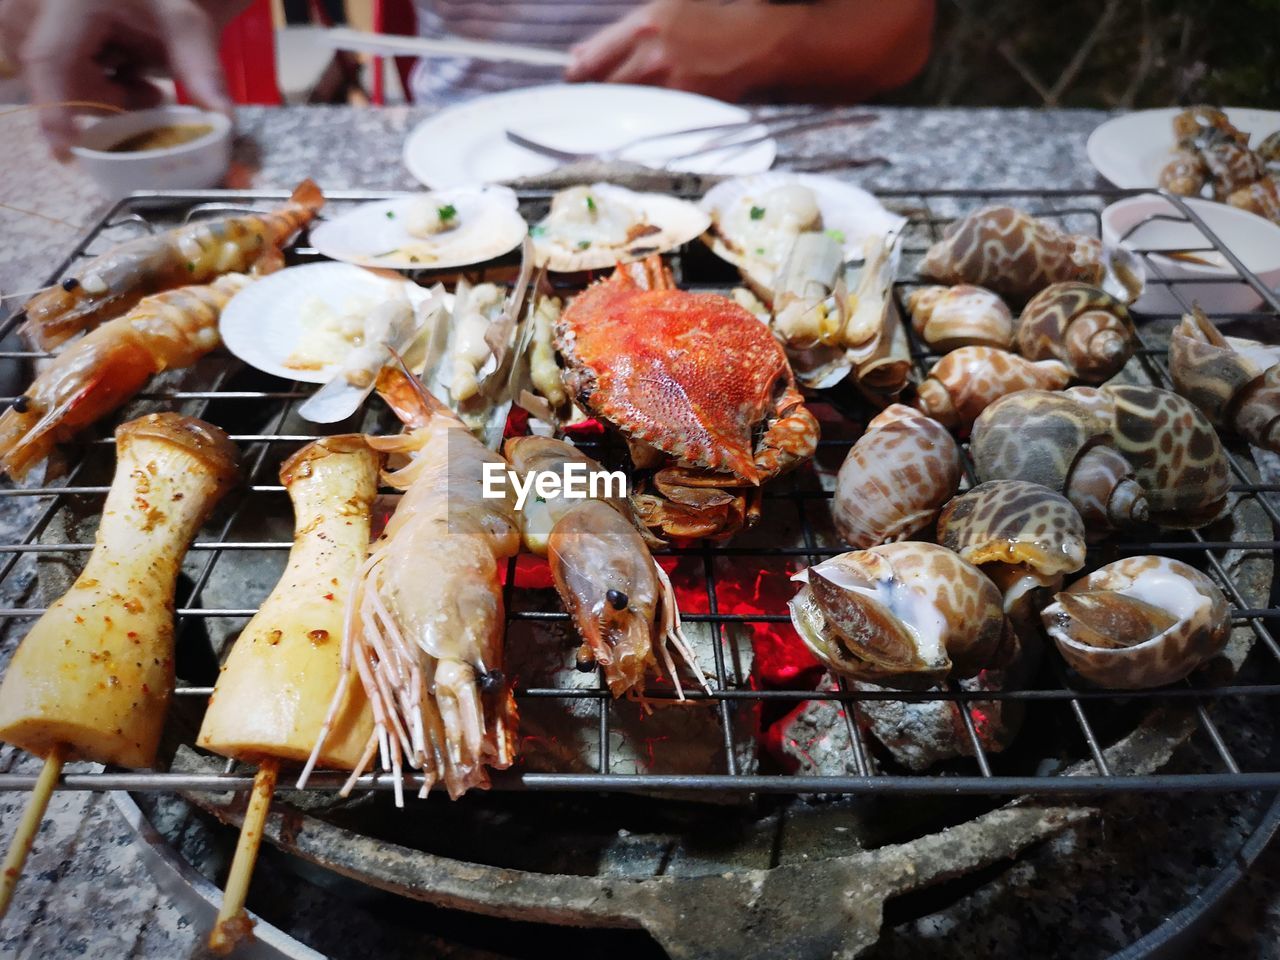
x=467 y=144
x=1130 y=150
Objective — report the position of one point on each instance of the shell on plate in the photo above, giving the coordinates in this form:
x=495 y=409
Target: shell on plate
x=1083 y=326
x=1017 y=255
x=961 y=316
x=1139 y=622
x=1262 y=197
x=895 y=479
x=1174 y=451
x=901 y=614
x=1225 y=383
x=964 y=382
x=597 y=226
x=1051 y=439
x=756 y=219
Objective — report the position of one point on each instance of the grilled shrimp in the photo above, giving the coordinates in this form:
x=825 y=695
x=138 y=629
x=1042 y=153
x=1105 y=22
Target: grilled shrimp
x=425 y=616
x=619 y=597
x=99 y=373
x=197 y=252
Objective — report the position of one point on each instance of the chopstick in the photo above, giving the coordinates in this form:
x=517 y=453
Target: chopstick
x=384 y=44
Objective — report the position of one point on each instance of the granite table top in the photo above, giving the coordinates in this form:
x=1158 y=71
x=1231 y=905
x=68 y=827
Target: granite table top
x=87 y=891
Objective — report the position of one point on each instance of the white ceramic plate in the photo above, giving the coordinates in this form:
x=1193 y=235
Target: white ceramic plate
x=467 y=144
x=265 y=323
x=375 y=235
x=1130 y=150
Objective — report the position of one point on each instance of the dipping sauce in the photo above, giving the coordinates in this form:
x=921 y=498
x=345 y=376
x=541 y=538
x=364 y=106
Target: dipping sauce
x=160 y=138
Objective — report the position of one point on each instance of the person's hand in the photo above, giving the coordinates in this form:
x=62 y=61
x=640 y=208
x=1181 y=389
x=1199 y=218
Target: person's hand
x=724 y=50
x=100 y=51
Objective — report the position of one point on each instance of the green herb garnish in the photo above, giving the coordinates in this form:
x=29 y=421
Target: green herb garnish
x=591 y=203
x=836 y=235
x=537 y=230
x=191 y=266
x=584 y=244
x=757 y=213
x=391 y=214
x=447 y=212
x=390 y=253
x=759 y=251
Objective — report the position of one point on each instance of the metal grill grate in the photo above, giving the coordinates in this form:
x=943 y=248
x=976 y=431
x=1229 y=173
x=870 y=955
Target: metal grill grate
x=798 y=495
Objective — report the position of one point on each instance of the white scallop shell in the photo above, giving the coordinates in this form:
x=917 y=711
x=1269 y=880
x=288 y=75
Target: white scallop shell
x=566 y=246
x=487 y=225
x=267 y=322
x=853 y=215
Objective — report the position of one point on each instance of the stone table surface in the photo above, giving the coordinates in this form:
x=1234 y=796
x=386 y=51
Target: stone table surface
x=87 y=892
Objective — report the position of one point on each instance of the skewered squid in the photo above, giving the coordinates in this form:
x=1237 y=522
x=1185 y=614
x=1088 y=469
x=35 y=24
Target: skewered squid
x=425 y=616
x=901 y=614
x=1051 y=439
x=692 y=380
x=1139 y=622
x=1083 y=326
x=1017 y=255
x=961 y=316
x=1174 y=451
x=895 y=479
x=621 y=600
x=966 y=381
x=100 y=372
x=1022 y=535
x=1231 y=390
x=198 y=252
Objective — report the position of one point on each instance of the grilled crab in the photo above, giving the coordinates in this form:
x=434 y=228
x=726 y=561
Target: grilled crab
x=698 y=386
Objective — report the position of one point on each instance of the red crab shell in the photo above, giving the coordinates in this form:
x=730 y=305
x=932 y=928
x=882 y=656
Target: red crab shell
x=692 y=374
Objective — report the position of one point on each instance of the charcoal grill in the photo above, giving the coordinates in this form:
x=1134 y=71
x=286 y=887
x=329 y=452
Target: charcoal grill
x=1102 y=742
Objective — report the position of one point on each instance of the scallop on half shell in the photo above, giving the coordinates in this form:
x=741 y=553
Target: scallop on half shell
x=756 y=219
x=596 y=226
x=425 y=231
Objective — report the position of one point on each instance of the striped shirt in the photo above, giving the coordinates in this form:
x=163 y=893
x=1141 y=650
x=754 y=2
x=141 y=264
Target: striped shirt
x=549 y=23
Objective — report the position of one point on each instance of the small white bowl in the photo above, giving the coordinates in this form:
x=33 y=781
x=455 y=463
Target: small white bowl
x=1253 y=239
x=199 y=163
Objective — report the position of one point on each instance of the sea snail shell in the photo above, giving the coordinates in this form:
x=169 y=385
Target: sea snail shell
x=895 y=479
x=1174 y=451
x=964 y=382
x=1228 y=387
x=961 y=316
x=1050 y=439
x=1083 y=326
x=1139 y=622
x=903 y=614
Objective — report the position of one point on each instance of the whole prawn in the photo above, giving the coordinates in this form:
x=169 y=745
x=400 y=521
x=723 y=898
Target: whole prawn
x=425 y=618
x=621 y=600
x=97 y=374
x=196 y=252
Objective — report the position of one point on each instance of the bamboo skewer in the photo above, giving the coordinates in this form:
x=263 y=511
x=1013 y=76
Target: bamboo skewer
x=233 y=924
x=24 y=837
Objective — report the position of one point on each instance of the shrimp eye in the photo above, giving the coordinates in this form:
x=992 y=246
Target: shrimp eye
x=70 y=284
x=585 y=664
x=617 y=599
x=22 y=404
x=492 y=680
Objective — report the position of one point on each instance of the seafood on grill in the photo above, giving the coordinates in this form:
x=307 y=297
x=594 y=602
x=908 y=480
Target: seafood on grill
x=198 y=252
x=1139 y=622
x=757 y=219
x=1018 y=255
x=1083 y=326
x=1225 y=383
x=946 y=318
x=425 y=615
x=597 y=226
x=968 y=380
x=100 y=372
x=95 y=673
x=1022 y=535
x=621 y=601
x=439 y=230
x=269 y=703
x=1050 y=439
x=895 y=479
x=1175 y=453
x=901 y=614
x=698 y=386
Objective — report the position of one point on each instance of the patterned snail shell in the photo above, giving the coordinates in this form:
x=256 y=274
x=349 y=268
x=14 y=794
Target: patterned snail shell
x=1083 y=326
x=961 y=316
x=966 y=381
